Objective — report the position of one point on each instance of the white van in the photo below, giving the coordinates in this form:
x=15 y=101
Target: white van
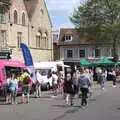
x=46 y=69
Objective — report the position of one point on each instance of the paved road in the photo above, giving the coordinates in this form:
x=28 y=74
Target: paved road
x=104 y=105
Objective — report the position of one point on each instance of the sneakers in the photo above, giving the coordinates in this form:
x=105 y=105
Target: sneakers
x=103 y=88
x=27 y=102
x=84 y=106
x=114 y=86
x=71 y=104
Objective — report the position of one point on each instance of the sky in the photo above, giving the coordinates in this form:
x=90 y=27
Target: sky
x=60 y=11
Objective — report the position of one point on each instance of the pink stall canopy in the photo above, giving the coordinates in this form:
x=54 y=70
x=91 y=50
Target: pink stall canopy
x=12 y=63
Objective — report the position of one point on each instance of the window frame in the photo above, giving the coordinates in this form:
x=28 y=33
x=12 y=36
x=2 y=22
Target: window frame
x=97 y=52
x=38 y=41
x=2 y=17
x=81 y=54
x=15 y=17
x=3 y=36
x=23 y=19
x=69 y=53
x=19 y=39
x=67 y=38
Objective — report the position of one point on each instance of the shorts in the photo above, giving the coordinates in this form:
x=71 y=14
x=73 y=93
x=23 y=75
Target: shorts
x=9 y=91
x=26 y=90
x=55 y=86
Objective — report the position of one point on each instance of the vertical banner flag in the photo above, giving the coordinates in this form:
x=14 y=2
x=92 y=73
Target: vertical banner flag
x=28 y=59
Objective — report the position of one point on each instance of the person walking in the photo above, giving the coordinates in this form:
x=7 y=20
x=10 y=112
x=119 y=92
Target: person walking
x=60 y=82
x=75 y=81
x=102 y=79
x=54 y=82
x=84 y=84
x=114 y=78
x=38 y=85
x=69 y=89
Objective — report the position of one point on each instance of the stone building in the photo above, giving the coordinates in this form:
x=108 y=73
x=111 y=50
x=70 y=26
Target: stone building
x=73 y=47
x=26 y=21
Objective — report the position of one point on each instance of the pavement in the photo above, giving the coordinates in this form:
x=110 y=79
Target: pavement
x=103 y=105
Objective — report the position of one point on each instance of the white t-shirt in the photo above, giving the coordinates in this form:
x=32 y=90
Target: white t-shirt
x=55 y=78
x=38 y=77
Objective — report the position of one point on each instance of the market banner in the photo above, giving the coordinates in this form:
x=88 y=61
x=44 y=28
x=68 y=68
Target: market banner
x=28 y=60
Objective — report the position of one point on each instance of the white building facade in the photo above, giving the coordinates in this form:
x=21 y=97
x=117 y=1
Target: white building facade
x=72 y=48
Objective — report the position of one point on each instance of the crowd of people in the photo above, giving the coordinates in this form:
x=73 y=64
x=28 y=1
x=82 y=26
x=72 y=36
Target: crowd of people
x=82 y=81
x=68 y=85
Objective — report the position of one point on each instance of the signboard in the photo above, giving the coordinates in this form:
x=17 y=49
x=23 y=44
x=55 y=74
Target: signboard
x=5 y=55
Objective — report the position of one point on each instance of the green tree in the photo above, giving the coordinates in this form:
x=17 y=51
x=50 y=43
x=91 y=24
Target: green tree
x=100 y=19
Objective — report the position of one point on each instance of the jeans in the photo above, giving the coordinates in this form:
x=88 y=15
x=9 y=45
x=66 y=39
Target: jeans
x=13 y=96
x=84 y=92
x=38 y=90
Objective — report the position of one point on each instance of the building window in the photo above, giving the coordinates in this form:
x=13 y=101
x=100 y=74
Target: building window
x=82 y=53
x=15 y=17
x=2 y=37
x=23 y=19
x=19 y=38
x=97 y=53
x=37 y=41
x=41 y=11
x=69 y=53
x=45 y=40
x=1 y=16
x=68 y=38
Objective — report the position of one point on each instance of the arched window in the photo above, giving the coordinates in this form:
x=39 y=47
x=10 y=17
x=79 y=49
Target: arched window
x=23 y=19
x=45 y=40
x=15 y=17
x=38 y=40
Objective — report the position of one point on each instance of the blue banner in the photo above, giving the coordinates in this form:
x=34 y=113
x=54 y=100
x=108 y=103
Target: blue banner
x=28 y=60
x=26 y=54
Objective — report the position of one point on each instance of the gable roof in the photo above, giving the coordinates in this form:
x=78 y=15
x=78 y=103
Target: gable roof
x=47 y=12
x=30 y=6
x=77 y=38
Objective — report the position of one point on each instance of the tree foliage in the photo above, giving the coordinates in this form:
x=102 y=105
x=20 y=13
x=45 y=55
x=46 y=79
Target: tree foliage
x=100 y=19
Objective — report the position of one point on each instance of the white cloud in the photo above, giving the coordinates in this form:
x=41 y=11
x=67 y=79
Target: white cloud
x=60 y=10
x=64 y=25
x=65 y=5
